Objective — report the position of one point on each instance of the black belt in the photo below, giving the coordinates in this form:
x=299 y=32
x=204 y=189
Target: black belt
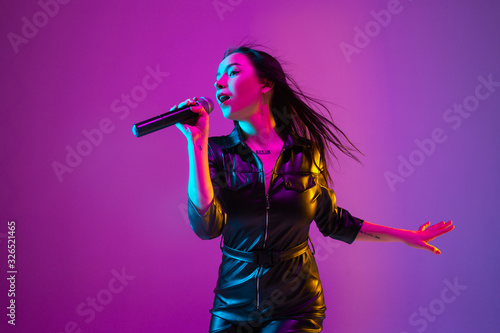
x=264 y=257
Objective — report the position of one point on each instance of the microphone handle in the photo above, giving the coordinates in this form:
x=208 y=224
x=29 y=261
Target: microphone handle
x=184 y=115
x=164 y=120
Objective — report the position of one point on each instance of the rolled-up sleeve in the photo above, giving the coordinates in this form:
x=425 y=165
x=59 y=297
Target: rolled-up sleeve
x=333 y=221
x=210 y=224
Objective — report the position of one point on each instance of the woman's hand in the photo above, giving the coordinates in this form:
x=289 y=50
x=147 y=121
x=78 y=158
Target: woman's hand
x=194 y=132
x=419 y=239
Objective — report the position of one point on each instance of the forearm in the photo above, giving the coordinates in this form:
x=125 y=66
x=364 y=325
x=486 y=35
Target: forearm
x=200 y=189
x=379 y=233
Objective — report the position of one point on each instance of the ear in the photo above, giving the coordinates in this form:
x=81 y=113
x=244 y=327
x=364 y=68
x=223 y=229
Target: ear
x=266 y=85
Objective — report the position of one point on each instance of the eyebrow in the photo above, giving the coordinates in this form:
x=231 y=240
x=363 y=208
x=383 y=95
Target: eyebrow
x=232 y=64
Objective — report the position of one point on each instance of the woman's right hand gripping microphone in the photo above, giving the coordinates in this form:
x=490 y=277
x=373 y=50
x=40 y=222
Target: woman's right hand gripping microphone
x=195 y=131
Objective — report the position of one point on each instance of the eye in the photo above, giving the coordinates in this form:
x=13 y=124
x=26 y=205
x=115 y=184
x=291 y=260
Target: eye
x=233 y=72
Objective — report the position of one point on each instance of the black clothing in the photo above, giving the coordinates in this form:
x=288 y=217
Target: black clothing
x=219 y=325
x=251 y=219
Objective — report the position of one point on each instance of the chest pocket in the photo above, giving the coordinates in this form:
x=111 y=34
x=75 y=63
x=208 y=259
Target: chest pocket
x=238 y=180
x=299 y=182
x=241 y=170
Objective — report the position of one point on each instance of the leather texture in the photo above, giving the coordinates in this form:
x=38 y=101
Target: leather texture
x=219 y=325
x=251 y=219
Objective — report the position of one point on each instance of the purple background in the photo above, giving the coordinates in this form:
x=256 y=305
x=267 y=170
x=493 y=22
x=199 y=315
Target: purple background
x=122 y=207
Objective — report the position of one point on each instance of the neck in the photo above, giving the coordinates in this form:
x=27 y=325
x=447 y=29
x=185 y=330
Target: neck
x=259 y=130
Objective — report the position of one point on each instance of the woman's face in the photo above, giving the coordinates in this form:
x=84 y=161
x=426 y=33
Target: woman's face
x=236 y=79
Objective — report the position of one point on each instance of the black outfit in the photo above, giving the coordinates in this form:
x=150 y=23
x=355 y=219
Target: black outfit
x=251 y=220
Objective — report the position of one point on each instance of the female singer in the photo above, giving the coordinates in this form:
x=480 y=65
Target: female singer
x=260 y=187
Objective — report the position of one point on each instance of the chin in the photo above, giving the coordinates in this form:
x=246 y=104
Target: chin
x=227 y=114
x=230 y=114
x=239 y=115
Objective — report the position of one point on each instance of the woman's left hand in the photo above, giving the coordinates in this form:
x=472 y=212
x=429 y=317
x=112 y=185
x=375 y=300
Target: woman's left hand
x=419 y=239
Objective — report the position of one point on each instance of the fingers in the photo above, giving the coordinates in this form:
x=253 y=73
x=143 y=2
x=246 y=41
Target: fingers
x=441 y=227
x=423 y=226
x=443 y=230
x=438 y=226
x=189 y=101
x=448 y=226
x=434 y=231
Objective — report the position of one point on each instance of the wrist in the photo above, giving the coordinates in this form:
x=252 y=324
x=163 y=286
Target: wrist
x=402 y=235
x=379 y=233
x=198 y=146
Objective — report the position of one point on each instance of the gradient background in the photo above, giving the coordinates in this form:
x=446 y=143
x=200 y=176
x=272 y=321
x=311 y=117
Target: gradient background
x=123 y=206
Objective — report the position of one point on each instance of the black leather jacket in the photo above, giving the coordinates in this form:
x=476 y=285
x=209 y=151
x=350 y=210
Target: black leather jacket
x=249 y=220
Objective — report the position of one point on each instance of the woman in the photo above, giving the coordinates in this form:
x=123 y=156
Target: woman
x=260 y=187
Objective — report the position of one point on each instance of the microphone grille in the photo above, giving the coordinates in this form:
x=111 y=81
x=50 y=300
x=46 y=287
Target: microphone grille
x=207 y=104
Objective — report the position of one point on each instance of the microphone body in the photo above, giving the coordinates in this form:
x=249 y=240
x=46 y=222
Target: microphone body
x=184 y=115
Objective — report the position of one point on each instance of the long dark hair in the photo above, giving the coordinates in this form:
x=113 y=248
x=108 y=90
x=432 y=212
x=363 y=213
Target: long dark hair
x=291 y=109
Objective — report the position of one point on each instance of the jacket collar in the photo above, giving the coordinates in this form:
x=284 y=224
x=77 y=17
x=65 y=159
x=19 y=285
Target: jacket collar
x=236 y=137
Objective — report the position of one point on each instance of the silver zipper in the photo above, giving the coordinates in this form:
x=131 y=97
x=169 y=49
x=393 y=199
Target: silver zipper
x=267 y=219
x=259 y=272
x=264 y=246
x=258 y=293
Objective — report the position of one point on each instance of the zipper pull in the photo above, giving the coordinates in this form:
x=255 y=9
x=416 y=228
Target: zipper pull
x=267 y=201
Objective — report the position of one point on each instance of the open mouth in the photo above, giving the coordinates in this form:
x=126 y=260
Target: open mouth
x=223 y=98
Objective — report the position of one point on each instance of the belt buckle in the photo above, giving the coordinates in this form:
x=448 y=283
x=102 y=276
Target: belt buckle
x=266 y=258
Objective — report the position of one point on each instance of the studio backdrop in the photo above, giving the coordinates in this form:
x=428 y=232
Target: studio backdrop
x=94 y=233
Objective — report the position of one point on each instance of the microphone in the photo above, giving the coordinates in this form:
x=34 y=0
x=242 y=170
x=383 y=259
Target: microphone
x=184 y=115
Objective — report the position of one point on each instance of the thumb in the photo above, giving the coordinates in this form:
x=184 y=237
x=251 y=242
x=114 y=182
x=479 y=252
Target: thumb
x=184 y=129
x=433 y=249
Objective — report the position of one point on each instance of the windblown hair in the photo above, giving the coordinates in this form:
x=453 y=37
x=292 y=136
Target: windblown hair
x=292 y=111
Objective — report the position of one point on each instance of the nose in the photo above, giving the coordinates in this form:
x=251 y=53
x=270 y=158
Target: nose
x=219 y=83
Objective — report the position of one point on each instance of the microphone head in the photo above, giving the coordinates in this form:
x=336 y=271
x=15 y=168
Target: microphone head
x=207 y=104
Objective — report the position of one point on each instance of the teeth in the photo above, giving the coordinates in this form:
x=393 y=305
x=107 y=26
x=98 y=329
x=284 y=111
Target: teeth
x=223 y=98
